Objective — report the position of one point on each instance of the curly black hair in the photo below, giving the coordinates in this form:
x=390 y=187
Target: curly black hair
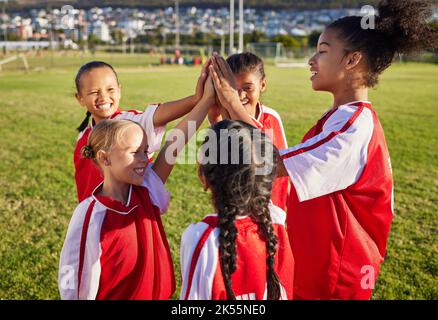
x=400 y=27
x=238 y=189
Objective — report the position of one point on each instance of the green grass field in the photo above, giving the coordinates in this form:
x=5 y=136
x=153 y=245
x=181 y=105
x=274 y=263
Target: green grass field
x=37 y=191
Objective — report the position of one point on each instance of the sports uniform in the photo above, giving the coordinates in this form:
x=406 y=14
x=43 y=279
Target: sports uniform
x=268 y=121
x=340 y=206
x=87 y=175
x=117 y=251
x=200 y=265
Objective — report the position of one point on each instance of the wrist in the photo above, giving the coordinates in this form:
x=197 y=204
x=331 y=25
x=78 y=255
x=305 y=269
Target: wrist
x=207 y=101
x=193 y=99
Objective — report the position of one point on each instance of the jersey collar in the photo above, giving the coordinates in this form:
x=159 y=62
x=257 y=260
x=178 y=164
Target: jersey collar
x=112 y=204
x=259 y=114
x=361 y=103
x=93 y=123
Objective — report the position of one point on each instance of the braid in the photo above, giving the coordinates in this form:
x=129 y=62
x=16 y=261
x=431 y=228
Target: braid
x=227 y=247
x=259 y=208
x=238 y=188
x=271 y=250
x=261 y=216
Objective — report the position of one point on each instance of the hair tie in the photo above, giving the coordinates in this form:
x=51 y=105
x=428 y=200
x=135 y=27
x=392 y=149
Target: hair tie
x=88 y=152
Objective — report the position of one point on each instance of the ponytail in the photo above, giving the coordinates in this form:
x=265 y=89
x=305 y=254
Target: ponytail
x=85 y=122
x=237 y=188
x=401 y=28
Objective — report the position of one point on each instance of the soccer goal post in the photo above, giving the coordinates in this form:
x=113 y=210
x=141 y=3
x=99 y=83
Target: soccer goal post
x=277 y=54
x=13 y=58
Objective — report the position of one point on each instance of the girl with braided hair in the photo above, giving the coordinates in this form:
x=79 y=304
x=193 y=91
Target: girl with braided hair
x=340 y=205
x=242 y=251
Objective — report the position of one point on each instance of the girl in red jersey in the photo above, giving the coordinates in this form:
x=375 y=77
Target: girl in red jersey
x=99 y=91
x=116 y=247
x=249 y=72
x=242 y=251
x=341 y=201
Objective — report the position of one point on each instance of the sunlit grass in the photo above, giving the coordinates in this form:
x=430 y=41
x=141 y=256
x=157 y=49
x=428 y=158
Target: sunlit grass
x=37 y=192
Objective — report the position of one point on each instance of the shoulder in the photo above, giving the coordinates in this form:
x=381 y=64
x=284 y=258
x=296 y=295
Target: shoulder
x=270 y=112
x=350 y=115
x=83 y=207
x=83 y=135
x=196 y=231
x=158 y=193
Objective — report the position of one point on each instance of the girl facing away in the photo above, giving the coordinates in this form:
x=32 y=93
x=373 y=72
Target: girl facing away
x=99 y=91
x=340 y=206
x=116 y=247
x=251 y=82
x=241 y=251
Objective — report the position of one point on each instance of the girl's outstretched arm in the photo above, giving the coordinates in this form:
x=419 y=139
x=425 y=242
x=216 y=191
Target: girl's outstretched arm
x=180 y=135
x=172 y=110
x=225 y=85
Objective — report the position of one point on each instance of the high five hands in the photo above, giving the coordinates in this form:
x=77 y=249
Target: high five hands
x=227 y=97
x=218 y=85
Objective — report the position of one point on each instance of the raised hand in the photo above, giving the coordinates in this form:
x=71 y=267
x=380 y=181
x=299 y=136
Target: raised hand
x=226 y=92
x=199 y=92
x=224 y=82
x=209 y=92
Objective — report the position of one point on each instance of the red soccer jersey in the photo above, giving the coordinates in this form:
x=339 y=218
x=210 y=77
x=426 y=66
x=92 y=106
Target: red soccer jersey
x=269 y=122
x=200 y=267
x=87 y=175
x=116 y=251
x=341 y=204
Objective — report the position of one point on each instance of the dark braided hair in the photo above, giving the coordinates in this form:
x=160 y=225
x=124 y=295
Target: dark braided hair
x=246 y=62
x=82 y=70
x=239 y=189
x=400 y=27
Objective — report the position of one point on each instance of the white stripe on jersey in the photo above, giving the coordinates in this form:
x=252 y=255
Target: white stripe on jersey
x=158 y=193
x=278 y=216
x=335 y=164
x=202 y=282
x=69 y=262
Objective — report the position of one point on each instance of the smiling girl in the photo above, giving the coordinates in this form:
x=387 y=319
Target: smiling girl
x=99 y=91
x=340 y=206
x=116 y=247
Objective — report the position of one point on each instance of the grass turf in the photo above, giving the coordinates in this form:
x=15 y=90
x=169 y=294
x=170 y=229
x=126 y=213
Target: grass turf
x=37 y=191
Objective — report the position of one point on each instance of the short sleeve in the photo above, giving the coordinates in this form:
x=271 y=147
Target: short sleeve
x=146 y=120
x=158 y=193
x=334 y=159
x=199 y=261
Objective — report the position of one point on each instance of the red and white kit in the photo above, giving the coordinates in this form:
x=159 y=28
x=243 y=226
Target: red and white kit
x=87 y=175
x=200 y=265
x=117 y=251
x=268 y=121
x=340 y=206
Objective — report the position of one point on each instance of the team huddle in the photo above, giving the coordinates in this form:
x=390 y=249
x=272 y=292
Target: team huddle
x=313 y=224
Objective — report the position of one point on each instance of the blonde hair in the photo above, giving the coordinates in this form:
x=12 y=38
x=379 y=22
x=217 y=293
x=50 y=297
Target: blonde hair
x=104 y=136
